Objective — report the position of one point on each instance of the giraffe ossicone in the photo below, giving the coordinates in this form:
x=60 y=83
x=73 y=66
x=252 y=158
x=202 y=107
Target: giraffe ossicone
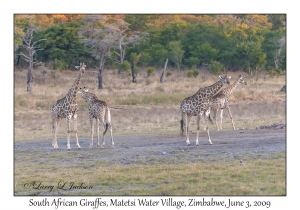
x=67 y=108
x=197 y=105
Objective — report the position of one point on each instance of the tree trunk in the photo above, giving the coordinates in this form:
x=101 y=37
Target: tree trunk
x=133 y=75
x=163 y=72
x=100 y=78
x=29 y=77
x=19 y=56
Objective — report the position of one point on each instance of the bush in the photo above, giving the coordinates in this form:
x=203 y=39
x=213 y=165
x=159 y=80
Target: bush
x=145 y=59
x=192 y=62
x=196 y=73
x=169 y=74
x=150 y=71
x=125 y=66
x=215 y=67
x=272 y=72
x=59 y=64
x=192 y=73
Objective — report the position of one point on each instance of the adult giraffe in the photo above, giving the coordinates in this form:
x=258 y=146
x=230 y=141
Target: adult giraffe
x=197 y=105
x=67 y=108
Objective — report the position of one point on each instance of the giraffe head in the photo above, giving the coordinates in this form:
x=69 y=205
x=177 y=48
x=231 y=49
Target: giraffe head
x=88 y=97
x=241 y=80
x=225 y=79
x=81 y=67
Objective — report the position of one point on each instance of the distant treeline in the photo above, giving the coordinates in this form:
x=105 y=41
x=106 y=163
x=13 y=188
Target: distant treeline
x=233 y=42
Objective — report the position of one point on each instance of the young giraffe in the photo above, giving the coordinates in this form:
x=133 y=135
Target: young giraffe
x=198 y=104
x=99 y=110
x=221 y=101
x=67 y=108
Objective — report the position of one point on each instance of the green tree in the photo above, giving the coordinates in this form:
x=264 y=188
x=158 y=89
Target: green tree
x=192 y=62
x=145 y=59
x=278 y=21
x=251 y=57
x=64 y=44
x=173 y=32
x=20 y=23
x=216 y=67
x=138 y=22
x=158 y=53
x=205 y=53
x=175 y=53
x=273 y=45
x=204 y=42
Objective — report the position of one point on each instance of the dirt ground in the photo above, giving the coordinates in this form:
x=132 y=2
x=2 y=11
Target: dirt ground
x=169 y=149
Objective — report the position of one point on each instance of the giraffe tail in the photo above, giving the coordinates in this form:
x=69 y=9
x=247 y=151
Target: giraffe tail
x=108 y=120
x=210 y=120
x=181 y=126
x=106 y=127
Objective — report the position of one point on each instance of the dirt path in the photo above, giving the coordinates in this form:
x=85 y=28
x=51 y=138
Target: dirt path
x=163 y=148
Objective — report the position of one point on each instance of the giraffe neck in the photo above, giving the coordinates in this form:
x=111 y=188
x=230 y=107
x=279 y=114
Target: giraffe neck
x=73 y=90
x=211 y=90
x=89 y=97
x=227 y=91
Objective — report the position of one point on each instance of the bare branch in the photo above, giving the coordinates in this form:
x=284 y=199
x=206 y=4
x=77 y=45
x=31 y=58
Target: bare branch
x=38 y=41
x=24 y=55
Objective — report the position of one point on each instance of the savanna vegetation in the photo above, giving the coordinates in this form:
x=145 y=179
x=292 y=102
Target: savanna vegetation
x=249 y=43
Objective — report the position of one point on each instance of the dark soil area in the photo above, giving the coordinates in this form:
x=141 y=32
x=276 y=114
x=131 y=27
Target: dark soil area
x=169 y=149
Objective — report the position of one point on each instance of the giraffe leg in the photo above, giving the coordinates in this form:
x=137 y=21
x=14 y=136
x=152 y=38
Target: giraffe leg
x=221 y=118
x=206 y=122
x=55 y=127
x=198 y=129
x=75 y=130
x=183 y=122
x=98 y=137
x=92 y=131
x=69 y=131
x=215 y=113
x=230 y=116
x=182 y=125
x=110 y=127
x=111 y=136
x=187 y=125
x=104 y=128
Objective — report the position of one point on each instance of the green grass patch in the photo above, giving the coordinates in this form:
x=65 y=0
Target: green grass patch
x=266 y=176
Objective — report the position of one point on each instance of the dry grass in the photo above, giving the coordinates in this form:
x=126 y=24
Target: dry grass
x=147 y=106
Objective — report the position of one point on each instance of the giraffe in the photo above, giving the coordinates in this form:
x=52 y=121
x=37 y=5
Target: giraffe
x=99 y=110
x=67 y=108
x=198 y=104
x=221 y=101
